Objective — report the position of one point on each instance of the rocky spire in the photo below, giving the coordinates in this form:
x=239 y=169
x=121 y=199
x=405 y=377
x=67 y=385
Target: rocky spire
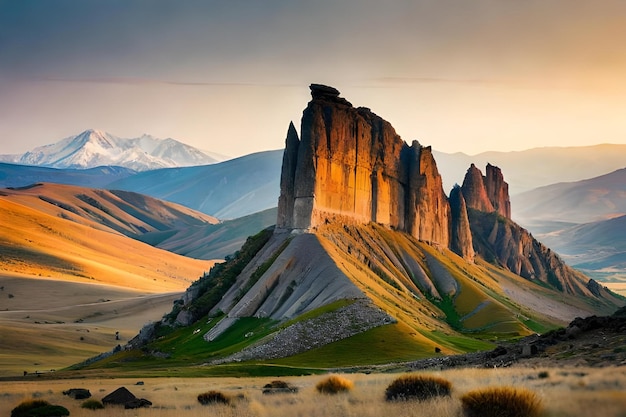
x=474 y=191
x=498 y=191
x=428 y=208
x=460 y=233
x=287 y=177
x=489 y=193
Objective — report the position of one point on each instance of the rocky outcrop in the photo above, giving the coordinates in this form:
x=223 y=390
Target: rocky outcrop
x=461 y=235
x=497 y=191
x=503 y=242
x=351 y=166
x=474 y=191
x=487 y=193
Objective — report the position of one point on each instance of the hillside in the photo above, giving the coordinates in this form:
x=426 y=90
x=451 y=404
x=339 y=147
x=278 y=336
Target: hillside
x=227 y=190
x=585 y=201
x=362 y=295
x=597 y=248
x=13 y=175
x=212 y=241
x=128 y=213
x=68 y=284
x=584 y=222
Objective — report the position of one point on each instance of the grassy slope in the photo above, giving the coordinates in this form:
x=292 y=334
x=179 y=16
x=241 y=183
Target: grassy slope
x=488 y=305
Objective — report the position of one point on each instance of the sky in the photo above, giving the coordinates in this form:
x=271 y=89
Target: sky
x=229 y=76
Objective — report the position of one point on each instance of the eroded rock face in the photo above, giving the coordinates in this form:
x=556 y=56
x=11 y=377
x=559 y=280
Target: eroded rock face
x=487 y=193
x=474 y=191
x=498 y=191
x=505 y=243
x=461 y=235
x=351 y=166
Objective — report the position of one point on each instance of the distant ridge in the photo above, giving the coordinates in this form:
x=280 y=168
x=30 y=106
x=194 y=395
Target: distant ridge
x=93 y=148
x=537 y=167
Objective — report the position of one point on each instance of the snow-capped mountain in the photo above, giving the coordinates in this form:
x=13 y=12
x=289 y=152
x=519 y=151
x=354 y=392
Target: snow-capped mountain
x=93 y=148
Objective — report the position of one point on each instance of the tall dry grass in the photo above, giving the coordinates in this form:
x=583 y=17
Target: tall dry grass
x=565 y=392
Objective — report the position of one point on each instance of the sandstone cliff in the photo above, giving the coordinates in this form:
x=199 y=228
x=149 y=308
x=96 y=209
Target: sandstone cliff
x=351 y=166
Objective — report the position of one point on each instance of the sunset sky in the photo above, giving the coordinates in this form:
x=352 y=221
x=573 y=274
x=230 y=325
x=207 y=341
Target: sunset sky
x=229 y=76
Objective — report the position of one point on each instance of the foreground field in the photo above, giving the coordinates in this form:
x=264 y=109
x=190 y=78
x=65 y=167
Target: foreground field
x=563 y=391
x=49 y=324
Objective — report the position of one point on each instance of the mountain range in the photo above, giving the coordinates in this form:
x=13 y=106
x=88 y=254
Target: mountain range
x=94 y=148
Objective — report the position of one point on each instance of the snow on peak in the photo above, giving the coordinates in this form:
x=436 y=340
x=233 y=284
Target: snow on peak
x=93 y=148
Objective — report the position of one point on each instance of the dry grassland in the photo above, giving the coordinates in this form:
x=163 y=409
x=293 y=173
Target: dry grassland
x=50 y=324
x=563 y=392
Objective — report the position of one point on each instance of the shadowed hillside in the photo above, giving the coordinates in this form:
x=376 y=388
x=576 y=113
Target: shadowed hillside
x=227 y=190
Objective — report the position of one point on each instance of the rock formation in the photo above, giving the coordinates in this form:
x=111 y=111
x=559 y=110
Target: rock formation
x=497 y=191
x=487 y=193
x=351 y=166
x=462 y=243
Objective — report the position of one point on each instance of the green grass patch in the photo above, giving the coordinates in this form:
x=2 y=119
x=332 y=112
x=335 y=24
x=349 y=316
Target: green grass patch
x=383 y=344
x=458 y=342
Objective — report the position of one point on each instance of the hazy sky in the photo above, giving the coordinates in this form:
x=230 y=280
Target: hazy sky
x=229 y=76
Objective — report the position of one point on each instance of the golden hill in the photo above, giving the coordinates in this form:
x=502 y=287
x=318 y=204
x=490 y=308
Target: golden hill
x=65 y=276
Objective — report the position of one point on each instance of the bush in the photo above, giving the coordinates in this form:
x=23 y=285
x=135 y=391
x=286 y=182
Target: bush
x=92 y=405
x=213 y=397
x=501 y=402
x=417 y=387
x=278 y=387
x=334 y=385
x=39 y=408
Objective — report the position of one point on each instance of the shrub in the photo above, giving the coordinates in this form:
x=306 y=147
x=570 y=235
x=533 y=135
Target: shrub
x=417 y=387
x=92 y=405
x=543 y=374
x=334 y=385
x=277 y=387
x=501 y=402
x=213 y=397
x=39 y=408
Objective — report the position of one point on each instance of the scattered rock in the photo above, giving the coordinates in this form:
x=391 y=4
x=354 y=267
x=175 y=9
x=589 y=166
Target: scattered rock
x=123 y=396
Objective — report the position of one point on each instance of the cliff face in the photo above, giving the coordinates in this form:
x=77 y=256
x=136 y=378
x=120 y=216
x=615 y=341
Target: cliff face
x=487 y=193
x=497 y=191
x=351 y=166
